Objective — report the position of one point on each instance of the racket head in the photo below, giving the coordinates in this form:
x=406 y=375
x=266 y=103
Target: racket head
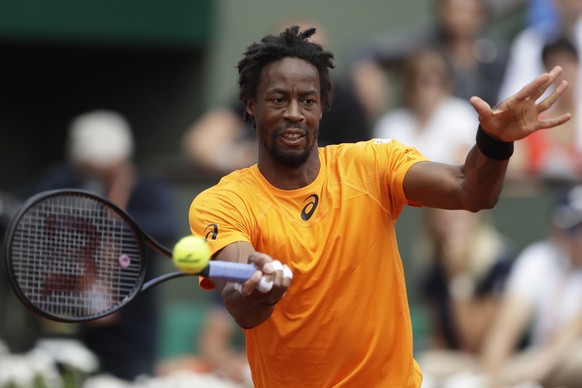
x=72 y=256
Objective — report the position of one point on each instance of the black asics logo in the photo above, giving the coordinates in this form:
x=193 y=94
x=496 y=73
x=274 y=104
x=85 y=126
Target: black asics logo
x=211 y=232
x=309 y=209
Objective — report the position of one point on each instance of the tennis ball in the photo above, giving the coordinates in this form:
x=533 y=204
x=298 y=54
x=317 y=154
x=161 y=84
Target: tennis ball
x=191 y=254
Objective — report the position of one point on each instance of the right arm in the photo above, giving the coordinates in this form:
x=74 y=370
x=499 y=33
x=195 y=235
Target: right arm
x=248 y=306
x=507 y=329
x=477 y=184
x=548 y=358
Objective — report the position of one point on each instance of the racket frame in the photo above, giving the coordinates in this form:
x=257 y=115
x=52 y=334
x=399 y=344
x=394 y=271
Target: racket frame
x=224 y=270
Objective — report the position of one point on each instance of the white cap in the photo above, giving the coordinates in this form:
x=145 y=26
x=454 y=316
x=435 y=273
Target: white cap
x=100 y=138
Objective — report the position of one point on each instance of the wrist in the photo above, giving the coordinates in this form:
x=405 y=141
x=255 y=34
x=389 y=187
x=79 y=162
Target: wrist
x=493 y=148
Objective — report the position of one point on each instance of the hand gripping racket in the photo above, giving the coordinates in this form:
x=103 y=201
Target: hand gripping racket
x=73 y=256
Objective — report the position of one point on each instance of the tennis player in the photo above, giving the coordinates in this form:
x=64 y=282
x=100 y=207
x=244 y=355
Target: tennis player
x=320 y=222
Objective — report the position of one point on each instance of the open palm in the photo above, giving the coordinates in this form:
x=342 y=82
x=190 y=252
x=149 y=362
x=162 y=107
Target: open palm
x=519 y=115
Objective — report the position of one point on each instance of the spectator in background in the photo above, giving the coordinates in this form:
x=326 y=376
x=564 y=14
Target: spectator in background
x=19 y=328
x=468 y=264
x=221 y=343
x=221 y=141
x=100 y=149
x=542 y=14
x=543 y=293
x=475 y=59
x=431 y=119
x=220 y=349
x=525 y=56
x=549 y=154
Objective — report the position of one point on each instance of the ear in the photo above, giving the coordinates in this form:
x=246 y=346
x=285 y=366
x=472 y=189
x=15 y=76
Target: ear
x=250 y=108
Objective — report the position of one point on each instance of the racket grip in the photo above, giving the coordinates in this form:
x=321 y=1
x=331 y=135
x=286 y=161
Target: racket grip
x=230 y=271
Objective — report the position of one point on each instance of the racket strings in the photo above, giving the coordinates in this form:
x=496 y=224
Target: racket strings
x=72 y=257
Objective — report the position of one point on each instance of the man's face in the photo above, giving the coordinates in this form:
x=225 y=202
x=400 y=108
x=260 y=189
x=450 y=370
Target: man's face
x=287 y=110
x=462 y=18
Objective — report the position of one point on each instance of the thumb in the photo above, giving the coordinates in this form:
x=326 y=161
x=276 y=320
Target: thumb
x=482 y=107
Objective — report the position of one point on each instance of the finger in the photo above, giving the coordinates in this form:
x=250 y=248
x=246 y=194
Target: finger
x=538 y=86
x=555 y=72
x=554 y=121
x=252 y=284
x=282 y=274
x=552 y=98
x=483 y=108
x=274 y=275
x=287 y=277
x=265 y=285
x=534 y=89
x=287 y=273
x=553 y=75
x=259 y=259
x=276 y=266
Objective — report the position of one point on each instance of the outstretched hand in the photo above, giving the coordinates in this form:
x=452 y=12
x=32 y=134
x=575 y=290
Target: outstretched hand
x=519 y=115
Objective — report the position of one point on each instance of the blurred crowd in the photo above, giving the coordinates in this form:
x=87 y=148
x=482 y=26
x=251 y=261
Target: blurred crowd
x=497 y=314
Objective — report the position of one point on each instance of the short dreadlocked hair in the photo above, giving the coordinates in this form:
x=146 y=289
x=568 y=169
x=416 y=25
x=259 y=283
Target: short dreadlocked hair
x=290 y=43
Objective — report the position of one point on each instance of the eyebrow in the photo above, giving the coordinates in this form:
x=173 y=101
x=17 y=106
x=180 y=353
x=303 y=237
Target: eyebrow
x=285 y=91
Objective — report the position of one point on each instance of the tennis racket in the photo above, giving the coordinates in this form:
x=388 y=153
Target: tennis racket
x=73 y=256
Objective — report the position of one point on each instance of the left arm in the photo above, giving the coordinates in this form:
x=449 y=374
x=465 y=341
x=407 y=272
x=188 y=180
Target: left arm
x=477 y=184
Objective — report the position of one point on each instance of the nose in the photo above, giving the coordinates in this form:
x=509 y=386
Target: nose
x=293 y=111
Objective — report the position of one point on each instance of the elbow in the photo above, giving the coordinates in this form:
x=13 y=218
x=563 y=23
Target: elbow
x=479 y=204
x=490 y=203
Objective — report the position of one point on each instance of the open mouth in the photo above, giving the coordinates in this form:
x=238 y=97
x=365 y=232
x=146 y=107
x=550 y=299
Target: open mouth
x=293 y=137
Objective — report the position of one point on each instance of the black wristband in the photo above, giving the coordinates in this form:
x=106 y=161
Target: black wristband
x=493 y=149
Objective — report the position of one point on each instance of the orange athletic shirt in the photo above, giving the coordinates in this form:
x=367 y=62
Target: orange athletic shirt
x=345 y=319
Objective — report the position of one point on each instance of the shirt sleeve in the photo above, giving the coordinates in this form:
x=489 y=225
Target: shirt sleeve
x=216 y=216
x=394 y=160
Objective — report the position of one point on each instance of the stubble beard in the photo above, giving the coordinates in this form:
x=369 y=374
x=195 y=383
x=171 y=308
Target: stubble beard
x=291 y=159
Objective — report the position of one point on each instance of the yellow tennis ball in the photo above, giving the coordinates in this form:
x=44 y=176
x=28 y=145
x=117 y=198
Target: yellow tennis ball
x=191 y=254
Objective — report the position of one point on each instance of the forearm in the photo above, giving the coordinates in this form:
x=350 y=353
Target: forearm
x=495 y=355
x=562 y=343
x=473 y=186
x=472 y=319
x=511 y=320
x=483 y=179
